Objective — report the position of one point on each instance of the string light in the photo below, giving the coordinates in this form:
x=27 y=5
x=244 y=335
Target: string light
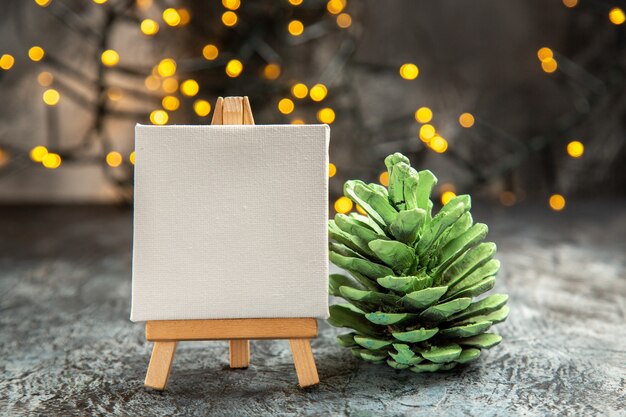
x=189 y=88
x=110 y=58
x=149 y=27
x=438 y=144
x=45 y=79
x=152 y=82
x=545 y=54
x=549 y=66
x=51 y=160
x=170 y=85
x=38 y=153
x=297 y=121
x=616 y=16
x=272 y=71
x=424 y=115
x=234 y=68
x=286 y=106
x=427 y=132
x=202 y=108
x=383 y=178
x=170 y=103
x=159 y=117
x=51 y=97
x=295 y=2
x=335 y=6
x=185 y=17
x=409 y=71
x=99 y=1
x=343 y=205
x=326 y=115
x=295 y=28
x=131 y=158
x=167 y=67
x=575 y=149
x=508 y=198
x=231 y=4
x=171 y=17
x=210 y=52
x=332 y=170
x=557 y=202
x=466 y=120
x=229 y=18
x=114 y=93
x=43 y=3
x=36 y=53
x=446 y=196
x=344 y=20
x=360 y=210
x=318 y=92
x=114 y=159
x=570 y=3
x=6 y=61
x=144 y=4
x=299 y=90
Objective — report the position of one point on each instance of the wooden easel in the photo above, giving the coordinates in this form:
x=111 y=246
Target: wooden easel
x=166 y=333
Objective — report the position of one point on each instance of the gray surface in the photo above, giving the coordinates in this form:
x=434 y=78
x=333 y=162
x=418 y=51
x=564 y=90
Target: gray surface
x=67 y=347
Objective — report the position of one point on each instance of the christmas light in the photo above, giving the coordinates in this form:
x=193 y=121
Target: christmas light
x=545 y=54
x=343 y=205
x=297 y=121
x=383 y=178
x=51 y=97
x=570 y=3
x=45 y=79
x=202 y=108
x=423 y=115
x=99 y=1
x=446 y=196
x=159 y=117
x=575 y=149
x=231 y=4
x=295 y=2
x=131 y=157
x=409 y=71
x=114 y=93
x=185 y=16
x=557 y=202
x=110 y=58
x=36 y=53
x=427 y=132
x=466 y=120
x=210 y=52
x=38 y=153
x=318 y=92
x=616 y=16
x=170 y=103
x=152 y=83
x=326 y=115
x=360 y=210
x=335 y=6
x=149 y=27
x=271 y=71
x=171 y=17
x=51 y=160
x=299 y=90
x=229 y=18
x=234 y=68
x=167 y=67
x=285 y=106
x=332 y=170
x=43 y=3
x=344 y=20
x=438 y=144
x=295 y=28
x=170 y=85
x=189 y=88
x=6 y=61
x=114 y=159
x=549 y=66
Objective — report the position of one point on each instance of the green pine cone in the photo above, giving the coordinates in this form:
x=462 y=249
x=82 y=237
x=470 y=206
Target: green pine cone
x=414 y=276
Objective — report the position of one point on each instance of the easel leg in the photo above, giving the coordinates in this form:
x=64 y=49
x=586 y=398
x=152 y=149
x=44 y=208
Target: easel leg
x=160 y=365
x=239 y=353
x=304 y=361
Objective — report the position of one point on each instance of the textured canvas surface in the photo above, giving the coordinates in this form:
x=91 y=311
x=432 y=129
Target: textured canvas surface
x=230 y=222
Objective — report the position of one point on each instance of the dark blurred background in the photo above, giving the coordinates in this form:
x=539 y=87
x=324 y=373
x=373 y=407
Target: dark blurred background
x=520 y=99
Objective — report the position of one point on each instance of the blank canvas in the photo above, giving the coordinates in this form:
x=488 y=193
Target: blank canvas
x=230 y=222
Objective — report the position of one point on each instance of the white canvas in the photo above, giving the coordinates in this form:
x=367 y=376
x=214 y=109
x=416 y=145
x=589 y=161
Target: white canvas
x=230 y=222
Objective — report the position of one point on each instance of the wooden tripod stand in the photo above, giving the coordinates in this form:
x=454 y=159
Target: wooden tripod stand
x=167 y=333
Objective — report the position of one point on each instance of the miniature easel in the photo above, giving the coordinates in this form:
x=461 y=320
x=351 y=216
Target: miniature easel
x=166 y=333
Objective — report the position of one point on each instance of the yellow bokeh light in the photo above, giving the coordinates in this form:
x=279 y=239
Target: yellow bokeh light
x=110 y=58
x=299 y=90
x=575 y=149
x=271 y=71
x=144 y=4
x=229 y=18
x=189 y=88
x=114 y=159
x=383 y=178
x=170 y=103
x=295 y=28
x=6 y=61
x=466 y=120
x=508 y=198
x=114 y=93
x=45 y=79
x=326 y=115
x=210 y=52
x=447 y=187
x=131 y=157
x=424 y=115
x=234 y=68
x=43 y=3
x=152 y=82
x=159 y=117
x=36 y=53
x=38 y=153
x=295 y=2
x=438 y=144
x=170 y=85
x=231 y=4
x=185 y=16
x=446 y=196
x=286 y=106
x=149 y=27
x=344 y=20
x=335 y=6
x=171 y=17
x=318 y=92
x=343 y=205
x=202 y=108
x=332 y=170
x=570 y=3
x=4 y=157
x=360 y=210
x=409 y=71
x=549 y=66
x=167 y=67
x=616 y=16
x=557 y=202
x=297 y=121
x=99 y=1
x=545 y=54
x=51 y=160
x=51 y=97
x=427 y=132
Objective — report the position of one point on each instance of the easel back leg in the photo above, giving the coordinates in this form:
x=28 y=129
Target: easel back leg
x=160 y=365
x=304 y=361
x=239 y=353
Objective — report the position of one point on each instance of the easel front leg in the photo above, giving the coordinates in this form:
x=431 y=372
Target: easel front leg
x=304 y=361
x=160 y=365
x=239 y=353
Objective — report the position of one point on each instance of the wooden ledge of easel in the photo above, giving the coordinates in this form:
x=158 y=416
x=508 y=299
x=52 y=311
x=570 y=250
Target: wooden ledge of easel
x=231 y=329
